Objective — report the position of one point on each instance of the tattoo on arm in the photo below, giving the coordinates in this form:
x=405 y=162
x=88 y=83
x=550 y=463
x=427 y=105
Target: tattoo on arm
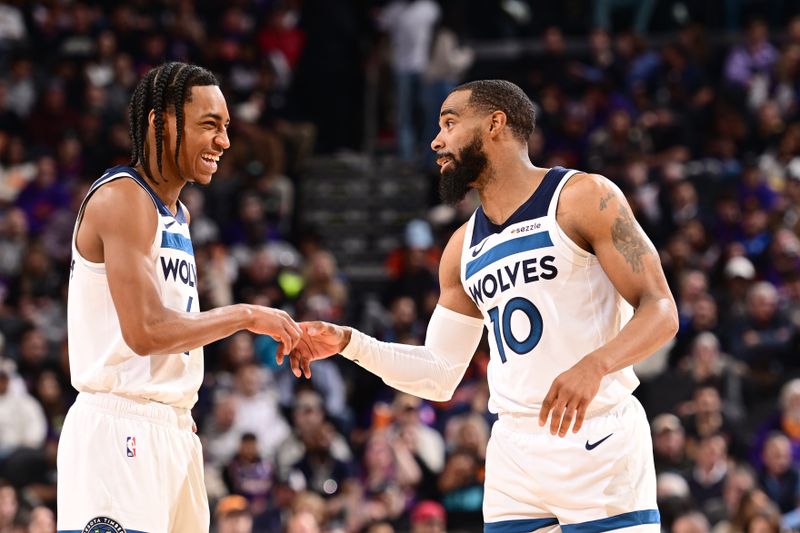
x=604 y=201
x=628 y=240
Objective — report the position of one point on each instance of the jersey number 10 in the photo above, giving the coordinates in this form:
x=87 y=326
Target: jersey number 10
x=504 y=336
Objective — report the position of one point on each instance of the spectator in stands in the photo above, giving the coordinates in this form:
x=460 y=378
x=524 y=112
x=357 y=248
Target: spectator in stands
x=250 y=475
x=739 y=482
x=387 y=478
x=257 y=410
x=302 y=522
x=461 y=486
x=9 y=507
x=669 y=445
x=786 y=419
x=673 y=497
x=427 y=444
x=691 y=522
x=449 y=60
x=232 y=515
x=702 y=317
x=22 y=421
x=739 y=275
x=708 y=366
x=323 y=280
x=220 y=433
x=15 y=236
x=762 y=337
x=428 y=517
x=42 y=520
x=748 y=66
x=711 y=468
x=779 y=478
x=756 y=507
x=311 y=504
x=706 y=418
x=308 y=414
x=410 y=25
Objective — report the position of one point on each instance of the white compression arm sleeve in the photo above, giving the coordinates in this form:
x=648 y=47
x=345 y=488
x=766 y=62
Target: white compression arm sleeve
x=432 y=371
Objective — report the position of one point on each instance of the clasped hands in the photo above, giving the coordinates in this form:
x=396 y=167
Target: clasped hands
x=319 y=340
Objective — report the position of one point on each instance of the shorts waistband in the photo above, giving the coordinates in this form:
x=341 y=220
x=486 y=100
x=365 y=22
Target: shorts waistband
x=529 y=422
x=155 y=412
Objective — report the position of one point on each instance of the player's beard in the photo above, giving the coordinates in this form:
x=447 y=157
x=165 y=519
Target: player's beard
x=464 y=170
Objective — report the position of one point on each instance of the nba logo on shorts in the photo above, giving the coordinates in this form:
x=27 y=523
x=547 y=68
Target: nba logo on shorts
x=130 y=446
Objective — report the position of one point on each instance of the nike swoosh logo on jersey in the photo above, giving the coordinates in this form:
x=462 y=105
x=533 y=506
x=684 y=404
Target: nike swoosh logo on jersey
x=477 y=250
x=594 y=445
x=168 y=224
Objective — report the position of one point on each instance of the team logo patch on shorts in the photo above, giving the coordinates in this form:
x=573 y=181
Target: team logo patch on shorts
x=103 y=524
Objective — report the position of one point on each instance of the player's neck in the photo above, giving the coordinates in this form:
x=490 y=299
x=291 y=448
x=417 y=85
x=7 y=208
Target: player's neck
x=507 y=187
x=167 y=187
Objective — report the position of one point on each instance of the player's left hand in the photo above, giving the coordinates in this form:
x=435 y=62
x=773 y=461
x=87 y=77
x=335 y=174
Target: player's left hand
x=570 y=395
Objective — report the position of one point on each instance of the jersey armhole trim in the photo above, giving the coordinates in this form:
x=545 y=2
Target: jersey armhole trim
x=465 y=245
x=562 y=236
x=95 y=267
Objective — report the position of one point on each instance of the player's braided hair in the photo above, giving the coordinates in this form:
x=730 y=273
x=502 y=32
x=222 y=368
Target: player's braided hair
x=501 y=95
x=163 y=89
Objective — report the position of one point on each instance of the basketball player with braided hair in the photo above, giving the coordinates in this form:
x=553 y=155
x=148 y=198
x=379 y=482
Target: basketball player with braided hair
x=128 y=458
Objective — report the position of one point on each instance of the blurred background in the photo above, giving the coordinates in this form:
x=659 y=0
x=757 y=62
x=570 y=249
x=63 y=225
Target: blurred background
x=326 y=206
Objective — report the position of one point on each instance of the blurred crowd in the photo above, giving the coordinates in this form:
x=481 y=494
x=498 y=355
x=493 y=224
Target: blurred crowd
x=701 y=133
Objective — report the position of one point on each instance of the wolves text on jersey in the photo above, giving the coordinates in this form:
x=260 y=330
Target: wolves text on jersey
x=179 y=269
x=502 y=279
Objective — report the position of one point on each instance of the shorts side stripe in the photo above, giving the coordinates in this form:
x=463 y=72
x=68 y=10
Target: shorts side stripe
x=635 y=518
x=523 y=525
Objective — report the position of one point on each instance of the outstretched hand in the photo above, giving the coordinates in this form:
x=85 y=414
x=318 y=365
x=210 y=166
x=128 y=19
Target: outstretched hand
x=319 y=340
x=569 y=397
x=276 y=324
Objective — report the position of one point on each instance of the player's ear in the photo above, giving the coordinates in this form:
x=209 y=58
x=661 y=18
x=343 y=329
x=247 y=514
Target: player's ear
x=497 y=123
x=151 y=119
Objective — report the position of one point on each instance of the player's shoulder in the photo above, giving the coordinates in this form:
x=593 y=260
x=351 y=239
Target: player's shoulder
x=450 y=264
x=123 y=197
x=122 y=193
x=456 y=242
x=586 y=185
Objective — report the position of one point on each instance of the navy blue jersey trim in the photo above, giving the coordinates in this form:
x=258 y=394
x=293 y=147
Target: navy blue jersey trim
x=160 y=205
x=534 y=207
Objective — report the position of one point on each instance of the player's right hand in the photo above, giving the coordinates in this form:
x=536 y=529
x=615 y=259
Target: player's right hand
x=278 y=325
x=319 y=340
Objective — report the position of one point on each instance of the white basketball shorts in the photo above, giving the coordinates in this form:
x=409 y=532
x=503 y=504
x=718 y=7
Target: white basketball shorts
x=599 y=479
x=130 y=465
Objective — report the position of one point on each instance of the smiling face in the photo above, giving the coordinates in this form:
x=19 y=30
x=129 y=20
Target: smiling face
x=204 y=137
x=459 y=147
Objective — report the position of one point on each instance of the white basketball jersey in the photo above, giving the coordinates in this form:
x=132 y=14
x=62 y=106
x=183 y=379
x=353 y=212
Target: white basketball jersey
x=99 y=359
x=545 y=301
